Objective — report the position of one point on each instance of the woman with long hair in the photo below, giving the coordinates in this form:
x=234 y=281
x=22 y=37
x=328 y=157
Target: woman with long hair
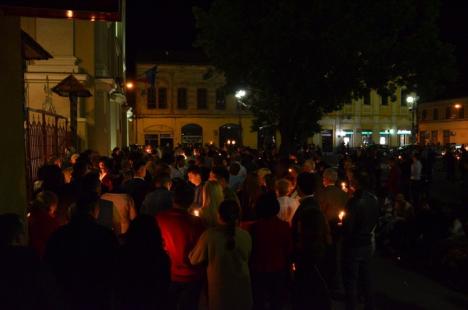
x=225 y=250
x=212 y=196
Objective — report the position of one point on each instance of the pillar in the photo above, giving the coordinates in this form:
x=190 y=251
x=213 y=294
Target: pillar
x=12 y=154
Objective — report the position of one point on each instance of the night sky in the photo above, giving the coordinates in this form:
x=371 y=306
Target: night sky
x=169 y=25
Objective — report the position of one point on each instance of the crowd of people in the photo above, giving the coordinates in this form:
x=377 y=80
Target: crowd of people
x=206 y=228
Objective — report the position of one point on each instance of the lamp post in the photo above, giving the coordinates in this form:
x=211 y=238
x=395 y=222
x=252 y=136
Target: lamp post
x=412 y=99
x=239 y=95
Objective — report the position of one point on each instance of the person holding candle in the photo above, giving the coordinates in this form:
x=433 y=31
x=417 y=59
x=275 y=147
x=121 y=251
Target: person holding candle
x=225 y=250
x=362 y=213
x=332 y=201
x=311 y=237
x=180 y=231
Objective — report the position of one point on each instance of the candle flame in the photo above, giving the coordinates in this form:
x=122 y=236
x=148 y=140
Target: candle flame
x=341 y=215
x=196 y=212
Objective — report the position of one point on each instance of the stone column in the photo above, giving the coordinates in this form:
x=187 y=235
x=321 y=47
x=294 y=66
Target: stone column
x=12 y=154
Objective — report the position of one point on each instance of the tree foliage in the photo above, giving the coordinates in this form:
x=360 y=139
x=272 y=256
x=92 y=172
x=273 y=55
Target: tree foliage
x=301 y=59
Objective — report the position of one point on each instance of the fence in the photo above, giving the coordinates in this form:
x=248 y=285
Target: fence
x=46 y=136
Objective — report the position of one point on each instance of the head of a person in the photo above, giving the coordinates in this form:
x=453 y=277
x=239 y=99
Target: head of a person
x=221 y=175
x=359 y=179
x=212 y=194
x=180 y=160
x=104 y=164
x=46 y=201
x=261 y=173
x=267 y=206
x=144 y=233
x=139 y=168
x=87 y=205
x=234 y=168
x=309 y=166
x=11 y=230
x=91 y=183
x=330 y=176
x=306 y=184
x=74 y=158
x=52 y=177
x=163 y=180
x=229 y=215
x=194 y=175
x=184 y=195
x=283 y=187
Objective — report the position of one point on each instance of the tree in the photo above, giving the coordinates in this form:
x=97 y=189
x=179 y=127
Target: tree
x=301 y=59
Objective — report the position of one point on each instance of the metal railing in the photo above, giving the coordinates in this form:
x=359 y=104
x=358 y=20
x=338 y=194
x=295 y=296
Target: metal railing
x=46 y=137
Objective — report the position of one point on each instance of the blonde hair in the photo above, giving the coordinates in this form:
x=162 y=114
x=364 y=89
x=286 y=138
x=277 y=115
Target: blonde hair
x=212 y=197
x=283 y=186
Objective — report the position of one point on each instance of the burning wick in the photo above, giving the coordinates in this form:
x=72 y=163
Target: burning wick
x=290 y=170
x=341 y=215
x=399 y=157
x=343 y=187
x=293 y=267
x=196 y=212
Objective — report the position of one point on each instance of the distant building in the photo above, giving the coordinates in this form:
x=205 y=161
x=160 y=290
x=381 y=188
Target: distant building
x=444 y=121
x=369 y=120
x=181 y=99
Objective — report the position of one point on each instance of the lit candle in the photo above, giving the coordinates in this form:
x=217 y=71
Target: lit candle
x=290 y=170
x=341 y=215
x=196 y=212
x=344 y=187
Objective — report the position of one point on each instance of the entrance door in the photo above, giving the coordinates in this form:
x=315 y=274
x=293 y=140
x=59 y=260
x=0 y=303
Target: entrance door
x=166 y=141
x=229 y=132
x=152 y=139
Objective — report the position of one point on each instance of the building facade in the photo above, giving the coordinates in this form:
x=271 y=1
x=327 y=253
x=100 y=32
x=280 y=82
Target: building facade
x=187 y=104
x=94 y=52
x=443 y=122
x=369 y=120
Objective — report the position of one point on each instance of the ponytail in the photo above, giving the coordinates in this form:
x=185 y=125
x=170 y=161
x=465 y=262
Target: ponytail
x=229 y=212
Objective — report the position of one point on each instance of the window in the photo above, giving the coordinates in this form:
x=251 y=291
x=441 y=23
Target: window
x=182 y=98
x=202 y=98
x=151 y=98
x=367 y=99
x=162 y=98
x=220 y=99
x=448 y=112
x=435 y=114
x=384 y=100
x=424 y=115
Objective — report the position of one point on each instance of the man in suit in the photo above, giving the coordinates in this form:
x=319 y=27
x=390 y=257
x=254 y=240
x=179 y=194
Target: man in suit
x=137 y=187
x=332 y=200
x=311 y=237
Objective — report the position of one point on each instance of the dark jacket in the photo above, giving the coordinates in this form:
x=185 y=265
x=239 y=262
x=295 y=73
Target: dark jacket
x=310 y=232
x=361 y=219
x=332 y=200
x=158 y=200
x=137 y=188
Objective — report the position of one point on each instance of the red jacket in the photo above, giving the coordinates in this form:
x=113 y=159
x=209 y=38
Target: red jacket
x=271 y=245
x=41 y=226
x=180 y=232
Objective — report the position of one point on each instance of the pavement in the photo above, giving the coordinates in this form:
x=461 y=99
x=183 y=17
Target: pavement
x=397 y=288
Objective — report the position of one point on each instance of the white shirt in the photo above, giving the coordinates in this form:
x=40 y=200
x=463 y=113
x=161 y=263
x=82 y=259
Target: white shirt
x=288 y=207
x=416 y=169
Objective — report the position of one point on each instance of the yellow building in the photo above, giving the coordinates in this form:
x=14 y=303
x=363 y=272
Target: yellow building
x=93 y=51
x=444 y=121
x=372 y=119
x=187 y=105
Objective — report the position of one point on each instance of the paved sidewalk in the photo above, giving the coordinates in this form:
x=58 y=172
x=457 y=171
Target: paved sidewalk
x=397 y=288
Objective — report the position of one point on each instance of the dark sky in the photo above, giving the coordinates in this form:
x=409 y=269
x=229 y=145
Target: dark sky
x=169 y=25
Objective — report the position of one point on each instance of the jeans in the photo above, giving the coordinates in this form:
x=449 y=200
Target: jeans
x=185 y=295
x=357 y=276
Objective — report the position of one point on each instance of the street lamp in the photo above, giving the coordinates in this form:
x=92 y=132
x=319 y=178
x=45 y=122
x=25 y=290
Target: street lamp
x=412 y=100
x=241 y=93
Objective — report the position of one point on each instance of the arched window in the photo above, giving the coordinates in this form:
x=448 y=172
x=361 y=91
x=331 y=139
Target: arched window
x=192 y=134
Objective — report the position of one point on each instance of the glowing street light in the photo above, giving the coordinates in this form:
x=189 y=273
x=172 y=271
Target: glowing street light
x=240 y=94
x=412 y=99
x=69 y=13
